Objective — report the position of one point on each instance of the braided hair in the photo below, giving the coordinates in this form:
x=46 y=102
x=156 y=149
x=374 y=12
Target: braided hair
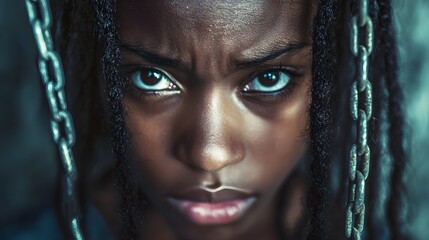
x=328 y=178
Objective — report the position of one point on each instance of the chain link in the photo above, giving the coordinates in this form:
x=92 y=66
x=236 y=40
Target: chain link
x=361 y=111
x=62 y=129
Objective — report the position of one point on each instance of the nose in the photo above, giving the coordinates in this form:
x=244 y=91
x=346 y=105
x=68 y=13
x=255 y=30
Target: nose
x=210 y=139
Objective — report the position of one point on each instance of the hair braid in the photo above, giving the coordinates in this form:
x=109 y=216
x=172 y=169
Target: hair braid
x=321 y=117
x=107 y=26
x=397 y=209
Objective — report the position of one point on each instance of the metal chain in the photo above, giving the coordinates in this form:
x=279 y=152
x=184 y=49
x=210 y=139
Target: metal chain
x=361 y=111
x=63 y=133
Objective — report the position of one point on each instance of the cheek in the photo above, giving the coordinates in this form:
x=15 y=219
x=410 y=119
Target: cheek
x=276 y=153
x=277 y=143
x=151 y=142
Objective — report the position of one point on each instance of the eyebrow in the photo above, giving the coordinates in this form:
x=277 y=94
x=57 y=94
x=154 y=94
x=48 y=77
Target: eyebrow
x=152 y=57
x=271 y=54
x=254 y=61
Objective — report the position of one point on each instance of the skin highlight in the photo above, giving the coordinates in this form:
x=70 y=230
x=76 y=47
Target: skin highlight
x=209 y=131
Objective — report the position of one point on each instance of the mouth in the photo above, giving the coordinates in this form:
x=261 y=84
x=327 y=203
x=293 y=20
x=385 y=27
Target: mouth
x=211 y=207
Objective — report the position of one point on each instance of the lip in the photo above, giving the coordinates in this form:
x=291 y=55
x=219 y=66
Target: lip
x=213 y=206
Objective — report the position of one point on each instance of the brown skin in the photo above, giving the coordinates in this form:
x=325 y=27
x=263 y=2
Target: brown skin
x=209 y=131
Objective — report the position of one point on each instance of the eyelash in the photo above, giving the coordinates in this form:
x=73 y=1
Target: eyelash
x=270 y=97
x=129 y=69
x=277 y=96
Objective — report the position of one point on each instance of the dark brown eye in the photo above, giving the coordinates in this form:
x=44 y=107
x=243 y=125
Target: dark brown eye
x=269 y=81
x=152 y=80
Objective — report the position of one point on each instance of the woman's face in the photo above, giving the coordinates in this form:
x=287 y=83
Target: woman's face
x=216 y=106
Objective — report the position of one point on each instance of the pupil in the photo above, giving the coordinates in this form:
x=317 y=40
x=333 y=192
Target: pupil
x=151 y=78
x=269 y=79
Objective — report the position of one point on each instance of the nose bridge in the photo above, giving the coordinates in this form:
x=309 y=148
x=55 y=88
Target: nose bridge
x=211 y=140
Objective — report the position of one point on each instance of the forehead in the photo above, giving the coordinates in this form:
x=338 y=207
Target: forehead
x=172 y=25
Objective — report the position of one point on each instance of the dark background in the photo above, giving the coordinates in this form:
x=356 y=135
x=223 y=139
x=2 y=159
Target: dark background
x=27 y=153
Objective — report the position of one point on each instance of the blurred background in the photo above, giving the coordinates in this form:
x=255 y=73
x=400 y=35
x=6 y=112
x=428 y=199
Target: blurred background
x=27 y=154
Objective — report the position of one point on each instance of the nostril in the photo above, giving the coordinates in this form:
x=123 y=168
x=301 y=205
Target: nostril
x=213 y=158
x=210 y=157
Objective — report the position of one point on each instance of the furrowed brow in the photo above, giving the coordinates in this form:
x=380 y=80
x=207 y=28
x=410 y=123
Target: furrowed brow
x=271 y=54
x=152 y=57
